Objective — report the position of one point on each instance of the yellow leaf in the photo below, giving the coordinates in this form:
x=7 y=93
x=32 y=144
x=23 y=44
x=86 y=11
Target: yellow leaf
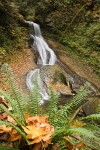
x=38 y=129
x=4 y=128
x=15 y=138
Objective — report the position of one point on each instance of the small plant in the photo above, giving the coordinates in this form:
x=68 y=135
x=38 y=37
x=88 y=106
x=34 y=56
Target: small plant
x=23 y=119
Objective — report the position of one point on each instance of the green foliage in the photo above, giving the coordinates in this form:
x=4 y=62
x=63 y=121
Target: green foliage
x=93 y=116
x=52 y=107
x=83 y=132
x=85 y=42
x=15 y=127
x=34 y=102
x=12 y=36
x=7 y=148
x=15 y=98
x=20 y=102
x=59 y=118
x=82 y=93
x=62 y=119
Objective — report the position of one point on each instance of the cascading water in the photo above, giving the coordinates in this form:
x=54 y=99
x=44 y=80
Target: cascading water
x=46 y=57
x=46 y=54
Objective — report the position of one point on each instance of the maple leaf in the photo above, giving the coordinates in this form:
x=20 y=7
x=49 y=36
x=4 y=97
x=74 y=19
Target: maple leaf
x=36 y=119
x=10 y=119
x=5 y=129
x=14 y=135
x=38 y=129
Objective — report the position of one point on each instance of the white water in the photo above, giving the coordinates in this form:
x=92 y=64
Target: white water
x=46 y=54
x=46 y=57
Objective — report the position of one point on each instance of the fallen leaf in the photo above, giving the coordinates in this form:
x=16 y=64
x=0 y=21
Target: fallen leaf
x=4 y=129
x=80 y=144
x=14 y=135
x=38 y=129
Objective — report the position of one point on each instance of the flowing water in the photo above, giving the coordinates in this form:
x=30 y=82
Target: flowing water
x=46 y=57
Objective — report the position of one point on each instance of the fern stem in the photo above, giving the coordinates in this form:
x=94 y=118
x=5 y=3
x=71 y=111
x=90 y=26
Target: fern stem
x=15 y=127
x=10 y=114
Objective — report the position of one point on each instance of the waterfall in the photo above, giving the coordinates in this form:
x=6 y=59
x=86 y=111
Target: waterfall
x=46 y=54
x=46 y=57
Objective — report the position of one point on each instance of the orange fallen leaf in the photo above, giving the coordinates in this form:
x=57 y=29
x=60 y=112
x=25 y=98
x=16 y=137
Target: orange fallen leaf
x=36 y=119
x=80 y=144
x=5 y=129
x=10 y=119
x=38 y=129
x=14 y=135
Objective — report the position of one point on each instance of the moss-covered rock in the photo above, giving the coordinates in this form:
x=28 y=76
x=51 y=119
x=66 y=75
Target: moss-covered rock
x=56 y=78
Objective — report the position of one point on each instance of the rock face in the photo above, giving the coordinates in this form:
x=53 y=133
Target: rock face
x=56 y=78
x=64 y=82
x=92 y=105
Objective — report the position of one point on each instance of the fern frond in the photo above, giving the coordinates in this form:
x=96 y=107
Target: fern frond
x=95 y=128
x=93 y=117
x=15 y=127
x=10 y=100
x=98 y=108
x=52 y=107
x=10 y=114
x=34 y=102
x=82 y=132
x=91 y=144
x=68 y=108
x=17 y=101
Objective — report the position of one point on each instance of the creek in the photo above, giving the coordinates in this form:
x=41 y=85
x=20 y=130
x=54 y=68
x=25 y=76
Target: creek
x=47 y=59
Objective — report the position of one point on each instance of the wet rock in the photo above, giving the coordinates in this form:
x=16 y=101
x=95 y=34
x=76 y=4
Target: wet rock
x=92 y=105
x=64 y=80
x=56 y=78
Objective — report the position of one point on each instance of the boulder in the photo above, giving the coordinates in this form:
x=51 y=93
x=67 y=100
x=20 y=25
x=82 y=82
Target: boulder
x=92 y=105
x=55 y=77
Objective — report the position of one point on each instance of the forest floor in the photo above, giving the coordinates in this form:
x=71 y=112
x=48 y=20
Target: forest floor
x=22 y=62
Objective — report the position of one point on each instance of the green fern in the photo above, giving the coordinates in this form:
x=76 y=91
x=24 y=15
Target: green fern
x=68 y=108
x=59 y=118
x=93 y=117
x=34 y=102
x=79 y=131
x=11 y=114
x=91 y=144
x=16 y=101
x=15 y=127
x=52 y=107
x=83 y=132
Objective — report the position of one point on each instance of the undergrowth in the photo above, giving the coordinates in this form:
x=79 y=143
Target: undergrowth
x=65 y=128
x=84 y=41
